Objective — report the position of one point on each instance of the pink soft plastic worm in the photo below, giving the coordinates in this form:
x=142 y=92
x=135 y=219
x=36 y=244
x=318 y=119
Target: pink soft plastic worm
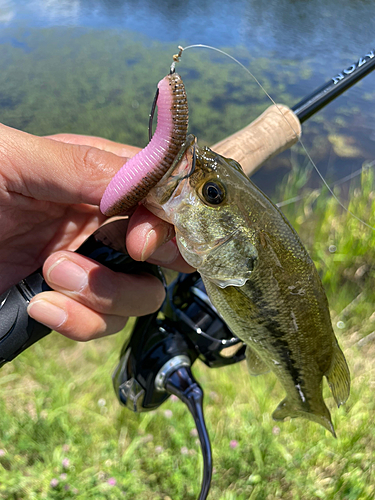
x=142 y=172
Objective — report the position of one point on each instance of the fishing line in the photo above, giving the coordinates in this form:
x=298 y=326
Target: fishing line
x=200 y=45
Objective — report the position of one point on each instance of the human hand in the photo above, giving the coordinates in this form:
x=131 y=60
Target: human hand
x=50 y=189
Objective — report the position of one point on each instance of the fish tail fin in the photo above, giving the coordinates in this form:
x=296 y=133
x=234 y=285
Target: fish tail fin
x=338 y=377
x=319 y=414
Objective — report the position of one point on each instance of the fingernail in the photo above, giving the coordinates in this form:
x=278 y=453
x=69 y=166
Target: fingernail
x=154 y=238
x=149 y=245
x=47 y=313
x=68 y=275
x=166 y=254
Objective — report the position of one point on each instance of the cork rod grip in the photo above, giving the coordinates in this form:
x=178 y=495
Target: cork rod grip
x=271 y=133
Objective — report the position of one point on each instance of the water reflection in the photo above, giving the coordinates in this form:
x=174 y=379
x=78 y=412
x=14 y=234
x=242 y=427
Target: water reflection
x=61 y=11
x=291 y=28
x=7 y=11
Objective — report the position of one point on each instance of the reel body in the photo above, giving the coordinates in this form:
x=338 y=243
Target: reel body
x=186 y=328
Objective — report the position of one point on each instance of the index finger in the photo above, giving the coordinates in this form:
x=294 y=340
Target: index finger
x=50 y=170
x=97 y=142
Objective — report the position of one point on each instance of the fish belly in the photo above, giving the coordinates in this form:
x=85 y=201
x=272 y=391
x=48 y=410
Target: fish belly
x=299 y=363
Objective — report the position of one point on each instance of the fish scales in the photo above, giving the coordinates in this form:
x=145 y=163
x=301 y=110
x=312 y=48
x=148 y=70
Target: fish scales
x=258 y=275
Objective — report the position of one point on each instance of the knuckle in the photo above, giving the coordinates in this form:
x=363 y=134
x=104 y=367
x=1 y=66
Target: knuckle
x=85 y=159
x=95 y=168
x=93 y=161
x=9 y=159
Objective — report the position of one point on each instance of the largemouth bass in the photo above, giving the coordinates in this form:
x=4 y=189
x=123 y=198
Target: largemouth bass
x=257 y=274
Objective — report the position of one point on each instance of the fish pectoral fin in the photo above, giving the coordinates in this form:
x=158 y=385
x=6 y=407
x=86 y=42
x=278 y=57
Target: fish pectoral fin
x=338 y=377
x=319 y=413
x=254 y=363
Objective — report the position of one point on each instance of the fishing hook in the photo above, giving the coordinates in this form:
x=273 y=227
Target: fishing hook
x=152 y=113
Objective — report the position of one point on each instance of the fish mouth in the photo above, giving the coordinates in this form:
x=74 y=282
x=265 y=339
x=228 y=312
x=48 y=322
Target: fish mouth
x=182 y=168
x=170 y=185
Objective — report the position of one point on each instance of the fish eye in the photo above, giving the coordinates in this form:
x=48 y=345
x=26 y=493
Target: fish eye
x=213 y=192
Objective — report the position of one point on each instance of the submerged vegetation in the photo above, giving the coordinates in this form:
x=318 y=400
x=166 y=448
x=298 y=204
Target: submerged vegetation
x=102 y=83
x=63 y=434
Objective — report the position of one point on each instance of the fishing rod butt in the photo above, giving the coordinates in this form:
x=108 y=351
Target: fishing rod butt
x=274 y=131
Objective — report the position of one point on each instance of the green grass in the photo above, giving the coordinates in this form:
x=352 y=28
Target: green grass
x=64 y=435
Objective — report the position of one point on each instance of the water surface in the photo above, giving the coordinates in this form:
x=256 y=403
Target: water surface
x=92 y=67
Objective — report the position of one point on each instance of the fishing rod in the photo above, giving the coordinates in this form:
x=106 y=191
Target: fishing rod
x=279 y=127
x=334 y=87
x=156 y=360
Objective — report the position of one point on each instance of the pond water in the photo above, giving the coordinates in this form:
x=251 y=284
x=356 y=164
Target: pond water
x=91 y=67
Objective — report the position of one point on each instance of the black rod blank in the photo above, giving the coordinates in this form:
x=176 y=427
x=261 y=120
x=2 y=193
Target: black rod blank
x=336 y=86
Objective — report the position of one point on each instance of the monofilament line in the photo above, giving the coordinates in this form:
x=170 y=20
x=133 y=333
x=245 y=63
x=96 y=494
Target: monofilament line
x=200 y=45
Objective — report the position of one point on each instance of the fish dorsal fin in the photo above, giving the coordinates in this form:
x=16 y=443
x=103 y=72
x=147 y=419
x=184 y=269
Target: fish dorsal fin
x=254 y=364
x=338 y=376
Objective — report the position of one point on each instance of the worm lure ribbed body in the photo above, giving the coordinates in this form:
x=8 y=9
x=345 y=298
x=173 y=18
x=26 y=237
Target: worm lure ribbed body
x=135 y=179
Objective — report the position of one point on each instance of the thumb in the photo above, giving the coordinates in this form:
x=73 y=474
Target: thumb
x=50 y=170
